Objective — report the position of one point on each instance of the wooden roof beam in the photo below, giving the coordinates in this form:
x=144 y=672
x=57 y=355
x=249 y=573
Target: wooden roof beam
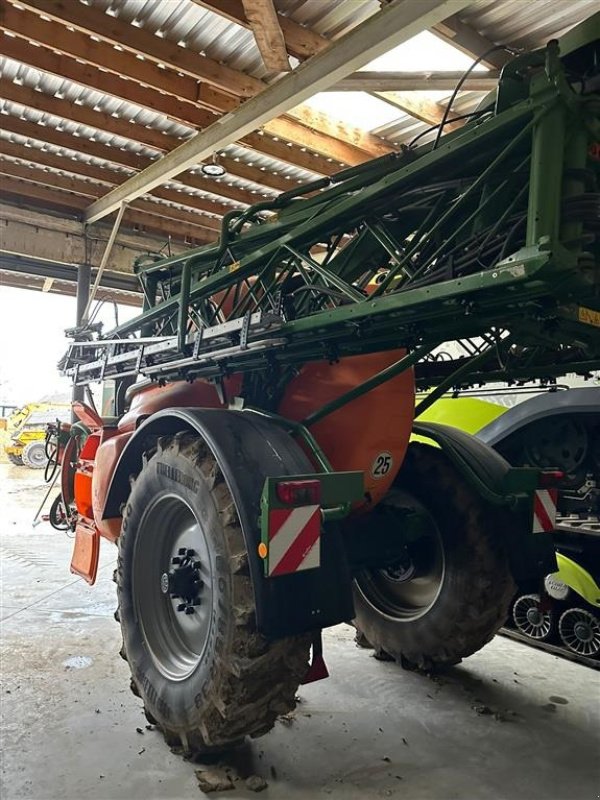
x=158 y=54
x=161 y=142
x=137 y=40
x=264 y=22
x=417 y=106
x=28 y=193
x=469 y=41
x=158 y=98
x=367 y=81
x=108 y=177
x=391 y=26
x=50 y=178
x=301 y=42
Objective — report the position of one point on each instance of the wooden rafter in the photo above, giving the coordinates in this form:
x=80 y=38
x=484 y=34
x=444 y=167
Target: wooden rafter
x=137 y=40
x=52 y=179
x=150 y=137
x=30 y=193
x=186 y=113
x=158 y=54
x=264 y=22
x=417 y=106
x=367 y=81
x=110 y=178
x=158 y=98
x=301 y=42
x=470 y=42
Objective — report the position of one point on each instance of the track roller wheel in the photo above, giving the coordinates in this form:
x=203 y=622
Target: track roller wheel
x=531 y=620
x=16 y=460
x=579 y=631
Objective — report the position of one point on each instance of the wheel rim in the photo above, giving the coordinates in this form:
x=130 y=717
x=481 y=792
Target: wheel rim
x=561 y=443
x=408 y=589
x=580 y=631
x=37 y=456
x=530 y=619
x=172 y=586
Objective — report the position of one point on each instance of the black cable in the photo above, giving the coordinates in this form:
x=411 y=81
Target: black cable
x=460 y=83
x=471 y=114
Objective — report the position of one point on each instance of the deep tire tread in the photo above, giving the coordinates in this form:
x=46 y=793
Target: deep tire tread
x=258 y=680
x=481 y=609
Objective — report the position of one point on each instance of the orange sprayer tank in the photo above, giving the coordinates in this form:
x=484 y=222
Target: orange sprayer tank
x=372 y=432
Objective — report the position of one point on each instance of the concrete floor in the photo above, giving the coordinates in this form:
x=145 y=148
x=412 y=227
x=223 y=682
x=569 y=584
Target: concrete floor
x=70 y=725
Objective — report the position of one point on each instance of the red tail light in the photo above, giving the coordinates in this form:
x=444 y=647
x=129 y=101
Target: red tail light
x=299 y=493
x=549 y=478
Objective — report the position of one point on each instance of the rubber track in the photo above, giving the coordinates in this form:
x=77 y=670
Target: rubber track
x=259 y=679
x=553 y=649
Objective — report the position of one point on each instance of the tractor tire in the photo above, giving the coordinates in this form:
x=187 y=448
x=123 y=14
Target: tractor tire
x=454 y=591
x=34 y=455
x=16 y=460
x=186 y=608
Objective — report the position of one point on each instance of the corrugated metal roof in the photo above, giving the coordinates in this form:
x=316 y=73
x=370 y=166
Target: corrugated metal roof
x=523 y=24
x=330 y=19
x=526 y=24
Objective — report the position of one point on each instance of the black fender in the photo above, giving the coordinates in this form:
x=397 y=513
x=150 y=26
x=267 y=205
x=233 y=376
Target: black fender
x=249 y=448
x=484 y=468
x=531 y=556
x=572 y=401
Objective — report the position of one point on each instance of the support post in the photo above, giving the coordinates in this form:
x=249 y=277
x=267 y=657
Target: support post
x=103 y=262
x=84 y=275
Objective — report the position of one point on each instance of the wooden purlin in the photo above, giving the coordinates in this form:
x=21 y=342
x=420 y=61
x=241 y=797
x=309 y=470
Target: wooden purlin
x=87 y=189
x=189 y=114
x=417 y=106
x=470 y=42
x=28 y=193
x=159 y=51
x=301 y=42
x=107 y=176
x=264 y=22
x=85 y=115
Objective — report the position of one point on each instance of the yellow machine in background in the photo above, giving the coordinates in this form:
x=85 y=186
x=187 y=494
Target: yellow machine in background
x=26 y=428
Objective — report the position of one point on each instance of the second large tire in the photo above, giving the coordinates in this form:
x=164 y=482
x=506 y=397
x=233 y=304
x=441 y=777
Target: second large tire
x=206 y=676
x=456 y=595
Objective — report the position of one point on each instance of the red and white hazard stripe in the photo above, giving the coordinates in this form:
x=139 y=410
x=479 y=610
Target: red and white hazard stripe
x=544 y=510
x=294 y=539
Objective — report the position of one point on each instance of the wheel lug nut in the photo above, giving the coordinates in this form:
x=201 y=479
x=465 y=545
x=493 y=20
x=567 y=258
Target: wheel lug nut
x=190 y=553
x=197 y=601
x=181 y=607
x=181 y=551
x=189 y=610
x=175 y=560
x=197 y=564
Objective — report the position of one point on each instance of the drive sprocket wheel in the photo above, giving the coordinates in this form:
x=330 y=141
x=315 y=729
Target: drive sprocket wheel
x=186 y=607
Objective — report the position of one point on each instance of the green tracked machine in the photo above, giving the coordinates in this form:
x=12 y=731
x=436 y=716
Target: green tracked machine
x=559 y=430
x=256 y=471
